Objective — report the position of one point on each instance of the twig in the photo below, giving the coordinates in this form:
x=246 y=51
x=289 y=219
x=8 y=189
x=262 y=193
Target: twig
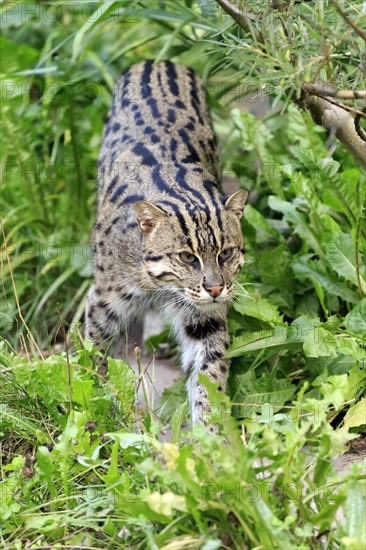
x=326 y=90
x=360 y=114
x=242 y=18
x=355 y=27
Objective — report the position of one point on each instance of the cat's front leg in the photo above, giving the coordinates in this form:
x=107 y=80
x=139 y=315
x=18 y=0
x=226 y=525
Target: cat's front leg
x=204 y=341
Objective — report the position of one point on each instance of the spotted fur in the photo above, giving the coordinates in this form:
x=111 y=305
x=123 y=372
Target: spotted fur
x=165 y=238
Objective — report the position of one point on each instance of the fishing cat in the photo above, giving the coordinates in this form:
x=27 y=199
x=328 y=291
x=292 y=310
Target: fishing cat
x=165 y=238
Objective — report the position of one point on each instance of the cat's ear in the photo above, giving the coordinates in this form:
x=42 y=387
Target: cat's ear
x=236 y=202
x=148 y=215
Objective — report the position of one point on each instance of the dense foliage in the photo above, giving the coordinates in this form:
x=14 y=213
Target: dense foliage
x=82 y=465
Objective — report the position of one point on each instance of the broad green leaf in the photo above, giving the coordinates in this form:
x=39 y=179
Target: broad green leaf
x=350 y=346
x=320 y=293
x=44 y=523
x=296 y=218
x=16 y=57
x=127 y=439
x=165 y=503
x=266 y=389
x=253 y=305
x=122 y=379
x=299 y=131
x=355 y=511
x=320 y=343
x=355 y=320
x=340 y=255
x=344 y=193
x=45 y=468
x=275 y=268
x=356 y=415
x=264 y=339
x=305 y=267
x=335 y=389
x=272 y=531
x=264 y=230
x=82 y=391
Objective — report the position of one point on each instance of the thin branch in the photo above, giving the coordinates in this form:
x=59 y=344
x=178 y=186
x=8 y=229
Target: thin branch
x=339 y=122
x=355 y=27
x=324 y=89
x=242 y=18
x=360 y=114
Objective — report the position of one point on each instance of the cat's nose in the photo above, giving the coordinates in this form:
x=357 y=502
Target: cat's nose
x=215 y=290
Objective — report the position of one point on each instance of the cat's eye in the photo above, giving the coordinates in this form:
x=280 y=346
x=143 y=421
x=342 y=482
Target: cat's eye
x=226 y=254
x=187 y=257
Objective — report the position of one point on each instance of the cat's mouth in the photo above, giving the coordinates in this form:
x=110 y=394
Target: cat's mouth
x=210 y=304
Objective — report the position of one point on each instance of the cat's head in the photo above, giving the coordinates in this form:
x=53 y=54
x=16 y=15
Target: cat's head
x=192 y=250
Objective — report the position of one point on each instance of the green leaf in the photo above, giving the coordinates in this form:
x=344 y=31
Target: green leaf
x=176 y=422
x=82 y=391
x=264 y=230
x=350 y=346
x=356 y=514
x=320 y=293
x=275 y=268
x=252 y=304
x=320 y=343
x=101 y=11
x=16 y=57
x=266 y=389
x=122 y=379
x=127 y=439
x=304 y=268
x=344 y=193
x=10 y=418
x=355 y=321
x=296 y=218
x=45 y=468
x=264 y=339
x=340 y=255
x=252 y=130
x=356 y=415
x=165 y=503
x=335 y=389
